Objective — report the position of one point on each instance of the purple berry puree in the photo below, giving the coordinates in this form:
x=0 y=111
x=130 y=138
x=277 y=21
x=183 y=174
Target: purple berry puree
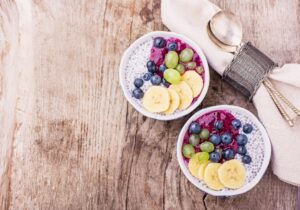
x=208 y=121
x=158 y=55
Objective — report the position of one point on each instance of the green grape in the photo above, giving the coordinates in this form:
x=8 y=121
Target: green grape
x=186 y=55
x=180 y=68
x=188 y=150
x=171 y=59
x=202 y=156
x=194 y=139
x=172 y=76
x=199 y=69
x=191 y=65
x=207 y=147
x=204 y=134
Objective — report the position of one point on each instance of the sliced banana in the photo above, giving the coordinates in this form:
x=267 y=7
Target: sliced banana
x=156 y=99
x=194 y=164
x=211 y=176
x=174 y=101
x=185 y=93
x=232 y=174
x=201 y=170
x=194 y=80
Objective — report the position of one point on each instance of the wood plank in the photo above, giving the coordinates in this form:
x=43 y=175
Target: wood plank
x=69 y=139
x=8 y=97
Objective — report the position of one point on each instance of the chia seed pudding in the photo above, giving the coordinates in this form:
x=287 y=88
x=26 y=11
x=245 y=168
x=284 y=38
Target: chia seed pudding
x=136 y=66
x=254 y=146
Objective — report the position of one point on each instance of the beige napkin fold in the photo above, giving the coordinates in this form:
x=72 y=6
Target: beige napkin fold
x=192 y=21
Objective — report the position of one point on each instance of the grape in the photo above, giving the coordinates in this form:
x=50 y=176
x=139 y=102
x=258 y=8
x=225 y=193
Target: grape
x=188 y=150
x=204 y=134
x=191 y=65
x=172 y=76
x=171 y=59
x=207 y=147
x=180 y=68
x=199 y=69
x=186 y=55
x=194 y=139
x=202 y=156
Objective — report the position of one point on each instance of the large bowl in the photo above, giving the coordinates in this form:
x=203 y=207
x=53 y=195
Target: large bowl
x=260 y=135
x=130 y=52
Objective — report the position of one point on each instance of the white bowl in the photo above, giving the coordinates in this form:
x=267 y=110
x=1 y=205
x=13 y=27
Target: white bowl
x=130 y=52
x=259 y=135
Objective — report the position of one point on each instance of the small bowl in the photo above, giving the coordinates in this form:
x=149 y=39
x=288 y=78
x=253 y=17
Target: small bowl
x=131 y=54
x=261 y=140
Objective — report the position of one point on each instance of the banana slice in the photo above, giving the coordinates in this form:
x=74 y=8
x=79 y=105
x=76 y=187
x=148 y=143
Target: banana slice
x=156 y=99
x=211 y=176
x=194 y=80
x=185 y=93
x=232 y=174
x=201 y=169
x=194 y=164
x=174 y=101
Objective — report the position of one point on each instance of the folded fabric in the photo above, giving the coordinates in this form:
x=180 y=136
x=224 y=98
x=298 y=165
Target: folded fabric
x=192 y=22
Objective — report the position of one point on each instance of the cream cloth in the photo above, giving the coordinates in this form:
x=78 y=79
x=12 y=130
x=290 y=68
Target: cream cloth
x=190 y=18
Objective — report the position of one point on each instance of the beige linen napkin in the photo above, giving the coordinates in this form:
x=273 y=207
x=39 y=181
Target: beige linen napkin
x=192 y=21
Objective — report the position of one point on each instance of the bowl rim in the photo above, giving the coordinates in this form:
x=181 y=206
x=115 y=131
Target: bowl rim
x=164 y=34
x=195 y=181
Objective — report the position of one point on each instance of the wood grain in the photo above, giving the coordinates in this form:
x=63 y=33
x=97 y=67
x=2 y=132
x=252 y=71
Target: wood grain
x=69 y=139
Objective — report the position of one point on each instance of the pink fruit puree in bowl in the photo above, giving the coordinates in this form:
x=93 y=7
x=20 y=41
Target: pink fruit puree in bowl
x=133 y=65
x=157 y=54
x=258 y=145
x=208 y=121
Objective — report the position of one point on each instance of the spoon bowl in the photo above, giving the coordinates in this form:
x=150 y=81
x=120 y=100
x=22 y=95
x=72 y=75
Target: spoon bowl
x=226 y=30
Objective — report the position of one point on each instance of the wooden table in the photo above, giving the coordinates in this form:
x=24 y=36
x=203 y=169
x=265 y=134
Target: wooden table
x=69 y=139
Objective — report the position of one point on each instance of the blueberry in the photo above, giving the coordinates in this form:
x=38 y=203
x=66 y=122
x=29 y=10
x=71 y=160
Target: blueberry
x=226 y=138
x=215 y=139
x=159 y=42
x=242 y=150
x=155 y=80
x=236 y=124
x=138 y=82
x=246 y=159
x=172 y=46
x=151 y=66
x=138 y=93
x=194 y=128
x=247 y=128
x=228 y=154
x=214 y=157
x=219 y=125
x=147 y=76
x=165 y=83
x=162 y=68
x=241 y=139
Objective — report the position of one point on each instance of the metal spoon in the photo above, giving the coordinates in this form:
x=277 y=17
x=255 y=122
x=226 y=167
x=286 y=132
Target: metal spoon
x=226 y=31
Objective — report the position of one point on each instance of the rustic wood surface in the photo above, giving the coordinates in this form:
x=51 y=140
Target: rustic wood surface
x=69 y=139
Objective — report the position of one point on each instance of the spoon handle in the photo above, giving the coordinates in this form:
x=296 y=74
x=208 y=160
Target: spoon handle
x=279 y=106
x=282 y=97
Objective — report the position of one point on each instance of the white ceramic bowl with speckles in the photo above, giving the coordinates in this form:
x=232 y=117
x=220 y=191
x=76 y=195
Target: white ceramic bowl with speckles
x=133 y=64
x=258 y=147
